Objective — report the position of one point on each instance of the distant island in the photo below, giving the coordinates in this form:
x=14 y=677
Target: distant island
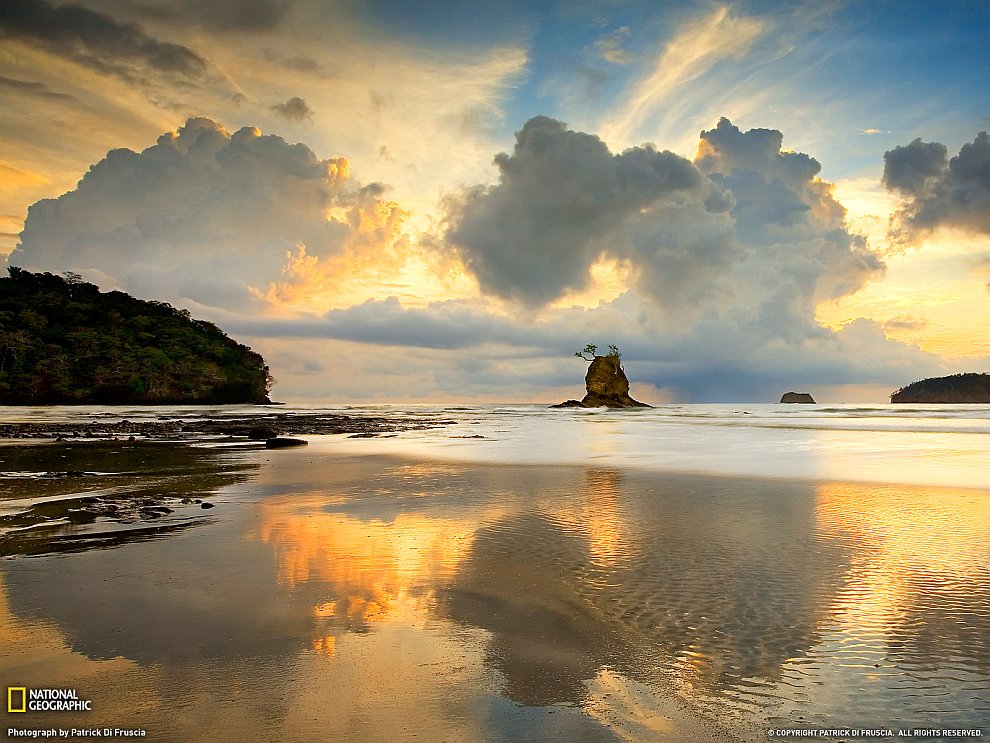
x=63 y=341
x=958 y=388
x=797 y=397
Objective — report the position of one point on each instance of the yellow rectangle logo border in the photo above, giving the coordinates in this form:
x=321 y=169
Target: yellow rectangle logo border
x=10 y=698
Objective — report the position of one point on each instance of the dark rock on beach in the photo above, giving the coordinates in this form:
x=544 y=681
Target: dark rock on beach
x=284 y=443
x=606 y=385
x=798 y=397
x=195 y=428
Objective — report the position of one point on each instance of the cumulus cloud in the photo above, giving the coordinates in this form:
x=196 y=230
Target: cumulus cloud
x=799 y=249
x=748 y=231
x=563 y=200
x=939 y=191
x=97 y=40
x=206 y=216
x=294 y=109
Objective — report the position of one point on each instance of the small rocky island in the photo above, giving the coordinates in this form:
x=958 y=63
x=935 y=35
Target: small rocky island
x=605 y=382
x=798 y=397
x=958 y=388
x=63 y=341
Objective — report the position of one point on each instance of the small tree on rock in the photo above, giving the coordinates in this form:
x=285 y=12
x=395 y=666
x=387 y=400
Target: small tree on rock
x=589 y=351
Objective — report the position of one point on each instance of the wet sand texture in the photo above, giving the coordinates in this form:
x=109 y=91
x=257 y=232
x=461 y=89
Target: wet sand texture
x=376 y=598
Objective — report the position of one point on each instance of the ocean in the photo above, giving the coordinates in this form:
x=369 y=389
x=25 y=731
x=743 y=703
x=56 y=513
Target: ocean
x=509 y=572
x=906 y=444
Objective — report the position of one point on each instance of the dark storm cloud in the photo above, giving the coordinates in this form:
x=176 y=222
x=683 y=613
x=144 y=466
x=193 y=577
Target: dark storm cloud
x=912 y=168
x=562 y=201
x=294 y=109
x=96 y=40
x=35 y=89
x=938 y=191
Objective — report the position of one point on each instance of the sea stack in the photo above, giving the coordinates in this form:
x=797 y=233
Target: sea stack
x=801 y=397
x=606 y=385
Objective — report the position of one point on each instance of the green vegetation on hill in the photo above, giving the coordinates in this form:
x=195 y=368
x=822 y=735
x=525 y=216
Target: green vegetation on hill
x=958 y=388
x=64 y=341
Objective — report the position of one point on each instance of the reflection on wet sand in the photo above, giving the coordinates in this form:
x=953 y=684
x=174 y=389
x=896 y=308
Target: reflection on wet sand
x=676 y=582
x=377 y=569
x=378 y=599
x=915 y=607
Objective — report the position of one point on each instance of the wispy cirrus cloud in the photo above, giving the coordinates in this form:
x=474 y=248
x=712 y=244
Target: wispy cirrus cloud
x=692 y=53
x=34 y=89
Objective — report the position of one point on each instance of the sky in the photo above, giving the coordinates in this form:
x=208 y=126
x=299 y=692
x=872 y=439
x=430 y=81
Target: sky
x=442 y=201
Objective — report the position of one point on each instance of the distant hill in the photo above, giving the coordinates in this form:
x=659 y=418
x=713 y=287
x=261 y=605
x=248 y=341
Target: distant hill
x=959 y=388
x=64 y=341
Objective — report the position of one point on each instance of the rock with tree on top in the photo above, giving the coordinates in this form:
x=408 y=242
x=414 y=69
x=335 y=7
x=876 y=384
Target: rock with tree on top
x=605 y=383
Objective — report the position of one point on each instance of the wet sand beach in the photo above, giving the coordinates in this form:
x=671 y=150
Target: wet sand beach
x=372 y=598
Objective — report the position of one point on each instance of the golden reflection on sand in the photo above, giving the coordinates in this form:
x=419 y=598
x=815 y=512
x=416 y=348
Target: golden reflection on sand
x=924 y=528
x=379 y=570
x=917 y=566
x=598 y=515
x=635 y=712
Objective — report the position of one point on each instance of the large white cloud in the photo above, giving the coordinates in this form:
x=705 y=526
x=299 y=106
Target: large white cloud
x=748 y=232
x=798 y=248
x=206 y=217
x=563 y=200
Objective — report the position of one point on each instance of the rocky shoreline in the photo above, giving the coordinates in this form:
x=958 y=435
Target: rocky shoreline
x=73 y=486
x=191 y=428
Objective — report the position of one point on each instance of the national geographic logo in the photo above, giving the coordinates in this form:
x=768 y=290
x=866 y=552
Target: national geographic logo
x=16 y=699
x=22 y=699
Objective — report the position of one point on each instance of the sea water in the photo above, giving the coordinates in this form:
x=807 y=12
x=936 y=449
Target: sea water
x=908 y=444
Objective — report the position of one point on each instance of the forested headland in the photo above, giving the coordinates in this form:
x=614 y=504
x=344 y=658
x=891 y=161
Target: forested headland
x=958 y=388
x=63 y=341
